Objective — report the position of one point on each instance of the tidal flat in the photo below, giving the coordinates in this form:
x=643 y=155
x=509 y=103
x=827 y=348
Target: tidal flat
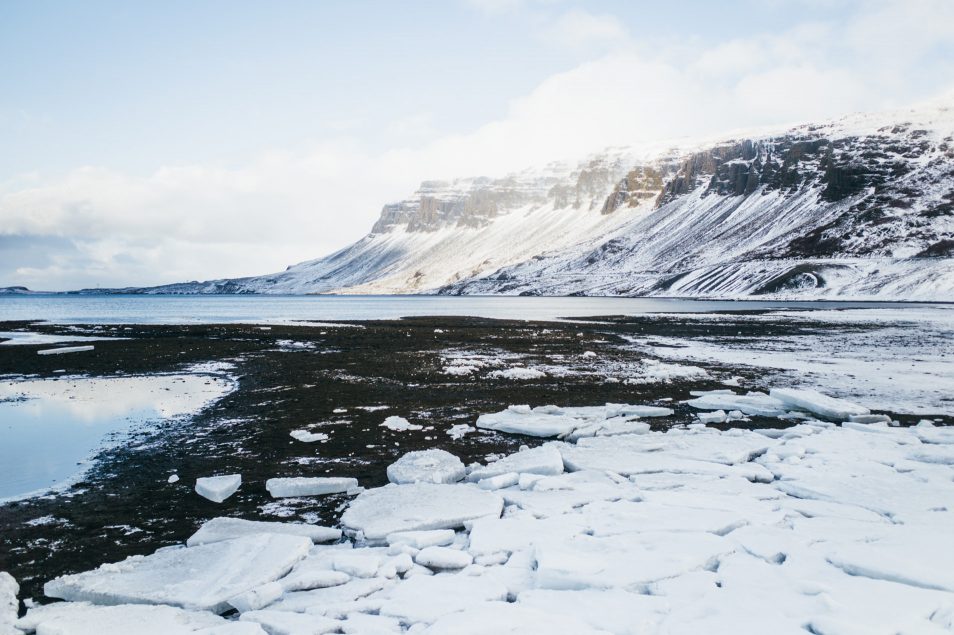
x=310 y=400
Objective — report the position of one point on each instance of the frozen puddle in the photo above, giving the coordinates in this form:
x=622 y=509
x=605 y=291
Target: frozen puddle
x=828 y=526
x=48 y=426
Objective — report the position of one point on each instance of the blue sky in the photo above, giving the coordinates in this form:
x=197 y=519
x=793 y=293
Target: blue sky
x=156 y=142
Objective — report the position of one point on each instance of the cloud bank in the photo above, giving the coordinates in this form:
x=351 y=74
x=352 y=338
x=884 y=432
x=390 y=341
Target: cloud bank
x=100 y=226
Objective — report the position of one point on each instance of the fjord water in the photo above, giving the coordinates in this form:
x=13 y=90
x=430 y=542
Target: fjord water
x=49 y=428
x=165 y=309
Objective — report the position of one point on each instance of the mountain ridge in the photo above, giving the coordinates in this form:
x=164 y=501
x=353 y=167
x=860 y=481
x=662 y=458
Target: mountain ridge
x=861 y=207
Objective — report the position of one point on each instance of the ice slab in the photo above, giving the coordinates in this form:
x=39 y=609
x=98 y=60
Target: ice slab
x=612 y=610
x=426 y=598
x=545 y=460
x=443 y=558
x=257 y=598
x=309 y=486
x=205 y=577
x=427 y=466
x=66 y=349
x=554 y=421
x=223 y=528
x=421 y=539
x=753 y=403
x=624 y=560
x=531 y=424
x=701 y=453
x=308 y=437
x=400 y=424
x=82 y=618
x=218 y=488
x=9 y=605
x=289 y=623
x=503 y=618
x=419 y=506
x=818 y=403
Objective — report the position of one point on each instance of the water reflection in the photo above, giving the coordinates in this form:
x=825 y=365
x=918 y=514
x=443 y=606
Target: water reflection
x=49 y=426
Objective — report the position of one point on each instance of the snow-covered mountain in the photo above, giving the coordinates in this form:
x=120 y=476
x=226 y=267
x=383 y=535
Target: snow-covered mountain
x=859 y=207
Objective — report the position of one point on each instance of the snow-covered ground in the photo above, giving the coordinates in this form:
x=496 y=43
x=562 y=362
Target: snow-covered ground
x=829 y=526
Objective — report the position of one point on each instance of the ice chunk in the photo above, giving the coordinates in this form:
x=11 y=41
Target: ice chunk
x=227 y=528
x=309 y=486
x=300 y=601
x=82 y=618
x=545 y=460
x=460 y=430
x=426 y=598
x=427 y=466
x=613 y=610
x=307 y=579
x=624 y=560
x=308 y=437
x=173 y=478
x=421 y=539
x=530 y=423
x=629 y=410
x=203 y=577
x=257 y=598
x=400 y=424
x=443 y=558
x=289 y=623
x=500 y=481
x=718 y=416
x=364 y=624
x=9 y=605
x=65 y=349
x=218 y=488
x=395 y=508
x=869 y=418
x=501 y=618
x=818 y=403
x=753 y=403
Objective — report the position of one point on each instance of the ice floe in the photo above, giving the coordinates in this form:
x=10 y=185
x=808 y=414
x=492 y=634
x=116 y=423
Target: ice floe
x=222 y=528
x=816 y=403
x=544 y=460
x=9 y=605
x=66 y=349
x=204 y=577
x=553 y=421
x=395 y=508
x=819 y=527
x=400 y=424
x=309 y=486
x=218 y=488
x=308 y=437
x=427 y=466
x=82 y=618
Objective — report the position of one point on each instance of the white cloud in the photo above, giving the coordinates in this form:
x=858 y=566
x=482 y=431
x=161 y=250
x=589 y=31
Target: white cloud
x=200 y=221
x=579 y=29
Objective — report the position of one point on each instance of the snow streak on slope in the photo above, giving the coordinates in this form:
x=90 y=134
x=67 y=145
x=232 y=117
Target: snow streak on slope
x=859 y=208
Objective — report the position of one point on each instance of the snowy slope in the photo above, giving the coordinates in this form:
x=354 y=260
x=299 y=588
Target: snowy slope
x=858 y=207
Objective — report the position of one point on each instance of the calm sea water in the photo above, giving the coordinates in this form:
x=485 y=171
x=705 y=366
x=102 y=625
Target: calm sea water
x=51 y=428
x=139 y=309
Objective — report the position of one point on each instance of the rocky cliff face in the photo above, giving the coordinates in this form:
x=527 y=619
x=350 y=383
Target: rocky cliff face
x=860 y=207
x=863 y=207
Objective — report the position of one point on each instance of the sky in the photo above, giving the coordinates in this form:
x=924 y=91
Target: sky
x=153 y=142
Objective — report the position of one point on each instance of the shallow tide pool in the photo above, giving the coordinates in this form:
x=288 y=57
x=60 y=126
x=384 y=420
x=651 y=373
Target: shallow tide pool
x=52 y=428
